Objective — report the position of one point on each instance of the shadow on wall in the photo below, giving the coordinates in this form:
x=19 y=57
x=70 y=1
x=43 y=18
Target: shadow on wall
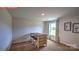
x=22 y=38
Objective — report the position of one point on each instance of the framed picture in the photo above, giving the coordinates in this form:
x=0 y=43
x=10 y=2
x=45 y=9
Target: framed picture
x=67 y=26
x=75 y=28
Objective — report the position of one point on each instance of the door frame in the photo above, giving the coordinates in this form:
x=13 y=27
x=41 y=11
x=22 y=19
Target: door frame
x=57 y=30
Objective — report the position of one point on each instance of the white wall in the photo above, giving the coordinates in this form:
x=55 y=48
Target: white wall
x=67 y=37
x=46 y=27
x=5 y=30
x=22 y=27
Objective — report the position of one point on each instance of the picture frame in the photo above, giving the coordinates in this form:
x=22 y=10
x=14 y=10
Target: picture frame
x=75 y=28
x=67 y=26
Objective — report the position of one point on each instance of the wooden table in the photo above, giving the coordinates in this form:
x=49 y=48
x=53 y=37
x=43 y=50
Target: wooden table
x=39 y=39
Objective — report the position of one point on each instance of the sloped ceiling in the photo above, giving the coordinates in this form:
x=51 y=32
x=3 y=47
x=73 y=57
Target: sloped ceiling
x=34 y=13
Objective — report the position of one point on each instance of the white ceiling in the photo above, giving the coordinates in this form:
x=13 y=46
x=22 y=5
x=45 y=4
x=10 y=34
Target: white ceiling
x=34 y=13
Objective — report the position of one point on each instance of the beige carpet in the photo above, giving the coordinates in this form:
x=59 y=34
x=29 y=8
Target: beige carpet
x=51 y=46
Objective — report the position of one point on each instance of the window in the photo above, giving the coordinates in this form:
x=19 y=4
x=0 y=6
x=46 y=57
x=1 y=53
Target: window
x=52 y=28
